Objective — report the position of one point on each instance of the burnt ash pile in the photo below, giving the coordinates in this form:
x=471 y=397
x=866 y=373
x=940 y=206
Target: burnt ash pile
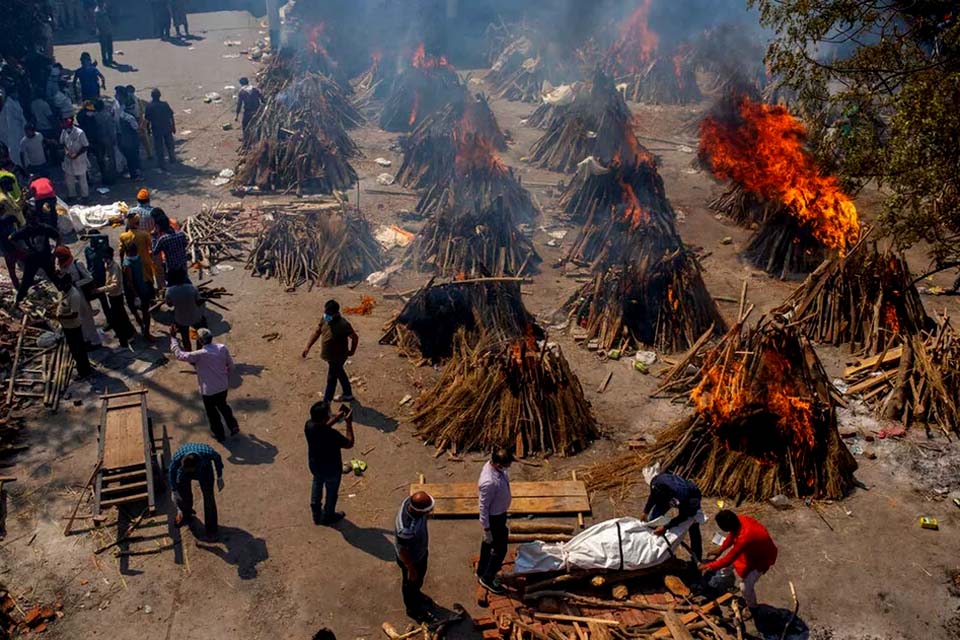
x=430 y=150
x=592 y=125
x=427 y=85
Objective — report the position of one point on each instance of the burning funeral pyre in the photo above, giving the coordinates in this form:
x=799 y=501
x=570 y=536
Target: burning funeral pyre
x=430 y=152
x=298 y=140
x=517 y=73
x=592 y=125
x=761 y=148
x=764 y=424
x=503 y=384
x=375 y=81
x=428 y=84
x=318 y=245
x=650 y=76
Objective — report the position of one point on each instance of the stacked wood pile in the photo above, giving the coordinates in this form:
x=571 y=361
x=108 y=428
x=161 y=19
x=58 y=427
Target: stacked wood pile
x=865 y=299
x=784 y=247
x=593 y=125
x=517 y=73
x=425 y=86
x=543 y=115
x=426 y=326
x=318 y=245
x=479 y=190
x=744 y=208
x=917 y=382
x=519 y=394
x=298 y=140
x=430 y=151
x=764 y=424
x=217 y=234
x=664 y=304
x=374 y=83
x=664 y=80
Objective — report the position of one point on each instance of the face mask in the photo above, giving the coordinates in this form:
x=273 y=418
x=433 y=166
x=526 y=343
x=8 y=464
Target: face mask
x=327 y=317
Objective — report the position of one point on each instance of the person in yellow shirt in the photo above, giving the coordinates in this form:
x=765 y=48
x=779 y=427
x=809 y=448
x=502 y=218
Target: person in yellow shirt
x=143 y=242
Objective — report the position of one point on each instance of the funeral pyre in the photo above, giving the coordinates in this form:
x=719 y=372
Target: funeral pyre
x=764 y=423
x=761 y=148
x=428 y=84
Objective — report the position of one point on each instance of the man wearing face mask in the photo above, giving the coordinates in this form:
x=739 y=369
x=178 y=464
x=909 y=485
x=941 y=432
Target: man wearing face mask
x=338 y=341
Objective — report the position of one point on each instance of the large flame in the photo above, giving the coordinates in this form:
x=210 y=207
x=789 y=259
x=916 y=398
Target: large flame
x=764 y=152
x=637 y=43
x=475 y=150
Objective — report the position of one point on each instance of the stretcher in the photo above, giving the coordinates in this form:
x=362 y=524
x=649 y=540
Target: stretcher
x=129 y=466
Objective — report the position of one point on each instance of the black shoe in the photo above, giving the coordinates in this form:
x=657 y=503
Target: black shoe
x=424 y=616
x=493 y=586
x=334 y=519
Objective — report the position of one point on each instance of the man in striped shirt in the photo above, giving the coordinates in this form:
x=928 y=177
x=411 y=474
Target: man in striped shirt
x=194 y=461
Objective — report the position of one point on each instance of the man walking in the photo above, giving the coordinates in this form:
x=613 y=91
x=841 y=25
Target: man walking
x=76 y=162
x=668 y=490
x=324 y=446
x=104 y=32
x=750 y=550
x=213 y=364
x=338 y=341
x=412 y=545
x=68 y=314
x=198 y=462
x=113 y=289
x=248 y=102
x=89 y=78
x=495 y=497
x=36 y=236
x=162 y=126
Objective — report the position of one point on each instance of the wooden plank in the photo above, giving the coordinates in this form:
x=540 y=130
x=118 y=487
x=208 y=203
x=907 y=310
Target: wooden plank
x=567 y=618
x=689 y=618
x=555 y=488
x=126 y=475
x=677 y=629
x=123 y=438
x=863 y=364
x=870 y=382
x=123 y=403
x=115 y=501
x=117 y=488
x=123 y=393
x=542 y=505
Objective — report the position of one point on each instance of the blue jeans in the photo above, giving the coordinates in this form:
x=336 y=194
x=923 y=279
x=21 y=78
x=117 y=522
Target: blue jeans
x=331 y=484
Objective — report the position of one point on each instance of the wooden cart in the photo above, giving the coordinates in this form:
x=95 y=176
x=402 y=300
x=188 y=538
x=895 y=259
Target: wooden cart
x=129 y=467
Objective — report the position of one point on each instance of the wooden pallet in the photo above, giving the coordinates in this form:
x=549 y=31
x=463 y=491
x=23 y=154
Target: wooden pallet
x=460 y=499
x=126 y=452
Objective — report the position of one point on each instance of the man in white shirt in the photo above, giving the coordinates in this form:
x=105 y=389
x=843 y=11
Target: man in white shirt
x=32 y=156
x=75 y=160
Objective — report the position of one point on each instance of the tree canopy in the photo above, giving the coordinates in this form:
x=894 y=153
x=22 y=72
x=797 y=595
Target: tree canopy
x=879 y=82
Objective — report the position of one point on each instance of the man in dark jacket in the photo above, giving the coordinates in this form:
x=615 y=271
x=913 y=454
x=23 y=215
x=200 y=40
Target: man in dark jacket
x=37 y=238
x=162 y=126
x=668 y=490
x=324 y=445
x=338 y=341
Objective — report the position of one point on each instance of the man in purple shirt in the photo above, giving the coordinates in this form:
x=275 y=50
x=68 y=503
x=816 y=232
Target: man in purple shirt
x=213 y=364
x=494 y=490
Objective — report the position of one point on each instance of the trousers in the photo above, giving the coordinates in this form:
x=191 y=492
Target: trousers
x=696 y=539
x=119 y=321
x=216 y=406
x=329 y=483
x=183 y=497
x=163 y=144
x=413 y=598
x=32 y=263
x=75 y=182
x=493 y=554
x=336 y=373
x=78 y=349
x=748 y=588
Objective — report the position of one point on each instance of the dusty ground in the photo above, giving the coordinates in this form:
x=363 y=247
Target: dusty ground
x=864 y=570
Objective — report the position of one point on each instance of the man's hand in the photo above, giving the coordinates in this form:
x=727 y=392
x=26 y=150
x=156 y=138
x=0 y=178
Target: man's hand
x=643 y=517
x=711 y=555
x=220 y=483
x=304 y=354
x=172 y=331
x=659 y=531
x=348 y=415
x=702 y=567
x=488 y=536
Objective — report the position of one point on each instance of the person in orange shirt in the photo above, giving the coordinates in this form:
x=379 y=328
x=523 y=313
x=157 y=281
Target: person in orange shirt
x=750 y=550
x=134 y=234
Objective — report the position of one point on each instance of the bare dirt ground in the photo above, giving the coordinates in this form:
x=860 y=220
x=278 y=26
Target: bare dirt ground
x=864 y=569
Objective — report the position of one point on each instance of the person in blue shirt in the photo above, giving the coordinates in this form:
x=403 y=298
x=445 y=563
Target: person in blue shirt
x=668 y=490
x=89 y=78
x=194 y=461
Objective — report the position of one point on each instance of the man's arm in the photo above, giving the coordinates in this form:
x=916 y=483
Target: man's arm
x=217 y=464
x=239 y=105
x=485 y=490
x=180 y=354
x=174 y=469
x=229 y=360
x=103 y=81
x=408 y=562
x=350 y=438
x=312 y=341
x=354 y=341
x=736 y=548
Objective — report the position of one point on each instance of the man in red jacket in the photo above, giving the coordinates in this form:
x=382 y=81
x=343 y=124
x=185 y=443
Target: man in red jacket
x=751 y=552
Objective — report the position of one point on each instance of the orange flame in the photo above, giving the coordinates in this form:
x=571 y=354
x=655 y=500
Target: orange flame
x=415 y=109
x=526 y=347
x=474 y=148
x=890 y=318
x=637 y=43
x=764 y=153
x=422 y=61
x=313 y=37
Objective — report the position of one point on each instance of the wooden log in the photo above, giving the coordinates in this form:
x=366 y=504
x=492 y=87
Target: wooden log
x=533 y=526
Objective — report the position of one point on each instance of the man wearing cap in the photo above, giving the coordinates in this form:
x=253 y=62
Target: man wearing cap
x=412 y=545
x=144 y=211
x=75 y=161
x=213 y=365
x=44 y=200
x=83 y=281
x=338 y=341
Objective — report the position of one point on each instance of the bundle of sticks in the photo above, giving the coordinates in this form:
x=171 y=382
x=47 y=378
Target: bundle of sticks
x=764 y=424
x=465 y=239
x=419 y=91
x=743 y=207
x=216 y=235
x=865 y=299
x=430 y=151
x=374 y=83
x=596 y=189
x=595 y=124
x=426 y=326
x=480 y=189
x=917 y=381
x=516 y=393
x=664 y=80
x=660 y=301
x=545 y=114
x=784 y=247
x=317 y=248
x=517 y=73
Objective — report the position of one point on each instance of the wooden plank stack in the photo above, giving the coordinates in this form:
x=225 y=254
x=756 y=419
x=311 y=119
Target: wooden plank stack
x=320 y=247
x=460 y=499
x=784 y=247
x=217 y=235
x=764 y=424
